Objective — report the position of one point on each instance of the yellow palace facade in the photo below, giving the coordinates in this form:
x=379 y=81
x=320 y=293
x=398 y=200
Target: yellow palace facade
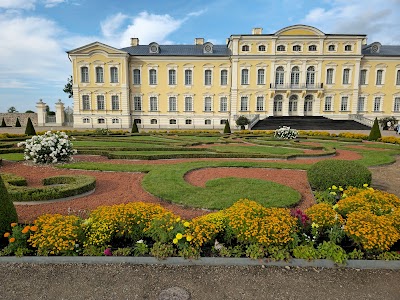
x=296 y=71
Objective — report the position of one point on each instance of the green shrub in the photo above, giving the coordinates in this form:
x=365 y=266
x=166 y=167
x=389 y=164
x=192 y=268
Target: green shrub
x=227 y=128
x=242 y=121
x=3 y=123
x=375 y=133
x=17 y=124
x=327 y=173
x=8 y=214
x=30 y=130
x=134 y=128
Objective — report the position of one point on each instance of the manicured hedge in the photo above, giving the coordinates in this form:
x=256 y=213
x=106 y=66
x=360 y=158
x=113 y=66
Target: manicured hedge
x=11 y=150
x=13 y=179
x=327 y=173
x=55 y=188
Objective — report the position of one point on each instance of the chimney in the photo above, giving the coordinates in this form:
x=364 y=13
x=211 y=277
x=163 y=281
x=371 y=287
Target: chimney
x=257 y=30
x=199 y=41
x=134 y=42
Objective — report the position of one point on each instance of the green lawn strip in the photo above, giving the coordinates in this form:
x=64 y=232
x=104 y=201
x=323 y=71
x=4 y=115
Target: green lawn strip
x=12 y=156
x=125 y=144
x=286 y=143
x=381 y=146
x=256 y=149
x=167 y=182
x=376 y=158
x=197 y=139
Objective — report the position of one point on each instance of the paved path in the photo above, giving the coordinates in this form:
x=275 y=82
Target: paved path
x=122 y=281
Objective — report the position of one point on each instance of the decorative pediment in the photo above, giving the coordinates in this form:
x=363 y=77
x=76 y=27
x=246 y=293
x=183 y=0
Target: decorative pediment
x=300 y=30
x=94 y=48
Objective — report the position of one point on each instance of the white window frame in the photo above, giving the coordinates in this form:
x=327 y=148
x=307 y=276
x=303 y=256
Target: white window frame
x=103 y=100
x=328 y=106
x=208 y=80
x=115 y=100
x=115 y=121
x=99 y=79
x=188 y=103
x=207 y=122
x=85 y=77
x=245 y=45
x=261 y=45
x=378 y=99
x=101 y=119
x=173 y=122
x=279 y=80
x=151 y=108
x=330 y=45
x=222 y=83
x=365 y=78
x=86 y=120
x=297 y=45
x=188 y=121
x=396 y=103
x=397 y=76
x=137 y=103
x=348 y=76
x=153 y=121
x=114 y=78
x=365 y=100
x=281 y=45
x=295 y=76
x=208 y=103
x=381 y=77
x=261 y=76
x=244 y=99
x=332 y=81
x=172 y=103
x=223 y=103
x=155 y=81
x=137 y=76
x=342 y=102
x=260 y=103
x=245 y=76
x=172 y=76
x=185 y=77
x=88 y=102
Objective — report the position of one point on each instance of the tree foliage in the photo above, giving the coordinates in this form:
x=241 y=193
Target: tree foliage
x=12 y=109
x=30 y=130
x=227 y=128
x=68 y=88
x=134 y=128
x=3 y=123
x=8 y=214
x=375 y=133
x=17 y=124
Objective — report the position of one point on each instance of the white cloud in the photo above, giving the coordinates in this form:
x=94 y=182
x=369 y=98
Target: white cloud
x=17 y=4
x=150 y=28
x=52 y=3
x=197 y=13
x=372 y=17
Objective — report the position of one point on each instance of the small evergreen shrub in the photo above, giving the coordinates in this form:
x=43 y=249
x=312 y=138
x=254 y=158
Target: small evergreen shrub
x=134 y=128
x=30 y=130
x=3 y=123
x=242 y=121
x=227 y=128
x=375 y=133
x=325 y=174
x=17 y=124
x=8 y=214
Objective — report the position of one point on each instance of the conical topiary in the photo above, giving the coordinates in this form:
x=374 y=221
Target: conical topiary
x=17 y=124
x=30 y=130
x=134 y=128
x=375 y=133
x=8 y=214
x=227 y=128
x=3 y=123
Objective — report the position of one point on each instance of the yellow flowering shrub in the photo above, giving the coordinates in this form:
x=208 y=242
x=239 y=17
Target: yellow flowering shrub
x=252 y=223
x=350 y=135
x=395 y=218
x=324 y=215
x=373 y=233
x=375 y=201
x=121 y=221
x=390 y=139
x=315 y=133
x=205 y=229
x=56 y=234
x=165 y=227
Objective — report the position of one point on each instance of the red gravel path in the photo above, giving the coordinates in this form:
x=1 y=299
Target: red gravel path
x=114 y=187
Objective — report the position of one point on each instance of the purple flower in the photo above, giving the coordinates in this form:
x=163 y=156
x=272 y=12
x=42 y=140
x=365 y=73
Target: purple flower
x=108 y=252
x=301 y=216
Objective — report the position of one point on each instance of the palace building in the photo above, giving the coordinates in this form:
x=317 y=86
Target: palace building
x=296 y=71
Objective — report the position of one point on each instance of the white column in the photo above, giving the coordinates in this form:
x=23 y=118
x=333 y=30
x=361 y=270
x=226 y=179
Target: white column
x=41 y=112
x=59 y=113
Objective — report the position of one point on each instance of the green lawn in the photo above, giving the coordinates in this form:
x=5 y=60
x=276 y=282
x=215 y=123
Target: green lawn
x=13 y=156
x=256 y=149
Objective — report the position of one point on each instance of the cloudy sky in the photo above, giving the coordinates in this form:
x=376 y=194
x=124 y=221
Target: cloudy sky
x=35 y=34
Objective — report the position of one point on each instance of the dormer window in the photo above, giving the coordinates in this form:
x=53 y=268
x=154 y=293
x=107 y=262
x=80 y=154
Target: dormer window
x=154 y=48
x=245 y=48
x=208 y=48
x=375 y=47
x=281 y=48
x=261 y=48
x=331 y=48
x=347 y=48
x=312 y=48
x=296 y=48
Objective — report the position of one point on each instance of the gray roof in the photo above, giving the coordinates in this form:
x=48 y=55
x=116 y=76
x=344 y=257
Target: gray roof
x=178 y=50
x=385 y=50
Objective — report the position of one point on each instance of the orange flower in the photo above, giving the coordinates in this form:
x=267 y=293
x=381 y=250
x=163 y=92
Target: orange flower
x=12 y=240
x=7 y=234
x=26 y=229
x=14 y=224
x=34 y=228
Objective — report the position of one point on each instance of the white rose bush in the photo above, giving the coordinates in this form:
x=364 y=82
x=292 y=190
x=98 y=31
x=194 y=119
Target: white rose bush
x=51 y=147
x=285 y=132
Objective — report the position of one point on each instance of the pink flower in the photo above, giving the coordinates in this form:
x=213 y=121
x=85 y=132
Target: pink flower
x=108 y=252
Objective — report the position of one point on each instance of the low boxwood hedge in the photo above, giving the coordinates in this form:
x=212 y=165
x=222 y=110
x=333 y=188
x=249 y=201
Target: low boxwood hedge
x=54 y=188
x=322 y=175
x=13 y=179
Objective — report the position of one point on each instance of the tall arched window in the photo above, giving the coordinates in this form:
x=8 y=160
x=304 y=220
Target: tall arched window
x=136 y=76
x=279 y=75
x=99 y=75
x=172 y=77
x=310 y=80
x=207 y=77
x=114 y=75
x=308 y=102
x=153 y=77
x=224 y=77
x=293 y=103
x=295 y=76
x=245 y=76
x=85 y=74
x=260 y=76
x=379 y=77
x=329 y=76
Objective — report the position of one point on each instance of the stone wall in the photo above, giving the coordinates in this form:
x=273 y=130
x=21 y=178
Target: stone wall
x=11 y=118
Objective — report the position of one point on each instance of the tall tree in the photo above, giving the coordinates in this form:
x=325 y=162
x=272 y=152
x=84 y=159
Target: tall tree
x=12 y=109
x=68 y=88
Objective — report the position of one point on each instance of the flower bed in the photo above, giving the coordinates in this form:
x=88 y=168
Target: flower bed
x=246 y=229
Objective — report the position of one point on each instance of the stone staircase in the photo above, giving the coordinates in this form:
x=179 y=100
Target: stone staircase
x=308 y=123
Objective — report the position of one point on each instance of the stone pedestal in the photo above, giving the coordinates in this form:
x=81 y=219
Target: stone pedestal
x=60 y=113
x=41 y=112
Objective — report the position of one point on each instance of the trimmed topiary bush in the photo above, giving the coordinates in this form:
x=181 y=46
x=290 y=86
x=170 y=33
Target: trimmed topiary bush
x=327 y=173
x=3 y=123
x=30 y=130
x=8 y=214
x=227 y=128
x=242 y=121
x=375 y=133
x=134 y=128
x=17 y=124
